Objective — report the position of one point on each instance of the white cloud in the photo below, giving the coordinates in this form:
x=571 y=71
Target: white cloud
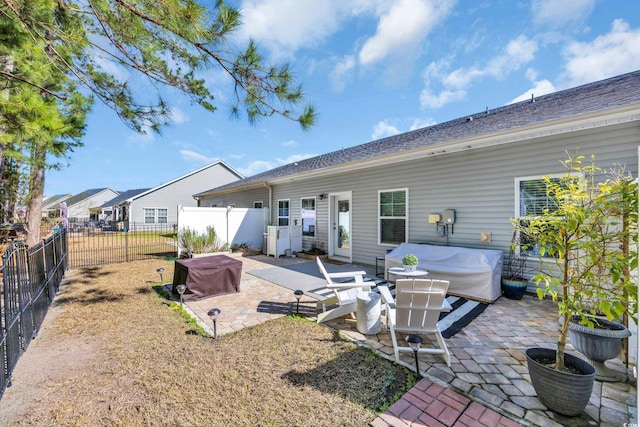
x=290 y=143
x=422 y=123
x=255 y=168
x=402 y=29
x=178 y=116
x=146 y=137
x=559 y=13
x=340 y=73
x=611 y=54
x=453 y=85
x=539 y=88
x=283 y=26
x=294 y=158
x=383 y=129
x=197 y=157
x=260 y=166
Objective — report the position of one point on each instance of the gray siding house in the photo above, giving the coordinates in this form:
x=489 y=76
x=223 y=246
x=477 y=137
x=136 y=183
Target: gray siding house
x=159 y=205
x=361 y=201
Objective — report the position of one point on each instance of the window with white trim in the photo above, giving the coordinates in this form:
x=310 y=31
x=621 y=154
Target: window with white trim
x=533 y=200
x=392 y=216
x=283 y=212
x=155 y=215
x=257 y=205
x=308 y=215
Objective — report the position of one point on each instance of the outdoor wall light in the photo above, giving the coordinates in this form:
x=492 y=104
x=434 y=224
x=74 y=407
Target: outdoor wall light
x=214 y=313
x=160 y=271
x=181 y=289
x=414 y=343
x=298 y=293
x=321 y=196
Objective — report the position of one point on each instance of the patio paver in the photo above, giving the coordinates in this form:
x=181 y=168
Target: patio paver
x=487 y=384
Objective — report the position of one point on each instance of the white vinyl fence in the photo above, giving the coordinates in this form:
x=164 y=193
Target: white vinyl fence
x=232 y=225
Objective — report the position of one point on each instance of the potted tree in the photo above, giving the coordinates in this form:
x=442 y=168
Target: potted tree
x=514 y=284
x=582 y=264
x=410 y=262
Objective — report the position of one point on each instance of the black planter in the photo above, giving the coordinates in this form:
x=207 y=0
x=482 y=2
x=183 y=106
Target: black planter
x=514 y=288
x=599 y=345
x=562 y=392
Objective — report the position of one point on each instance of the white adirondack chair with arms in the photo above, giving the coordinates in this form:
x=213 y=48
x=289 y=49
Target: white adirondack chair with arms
x=345 y=286
x=415 y=310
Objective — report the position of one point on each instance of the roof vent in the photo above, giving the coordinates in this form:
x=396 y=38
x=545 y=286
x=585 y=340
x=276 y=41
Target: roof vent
x=469 y=119
x=532 y=99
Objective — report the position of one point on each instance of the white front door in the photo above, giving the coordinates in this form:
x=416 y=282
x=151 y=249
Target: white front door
x=341 y=225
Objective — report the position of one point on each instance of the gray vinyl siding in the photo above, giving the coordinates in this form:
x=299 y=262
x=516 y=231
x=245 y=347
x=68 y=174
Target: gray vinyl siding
x=242 y=199
x=478 y=184
x=180 y=192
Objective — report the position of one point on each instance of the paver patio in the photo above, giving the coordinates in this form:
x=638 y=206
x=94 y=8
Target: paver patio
x=487 y=383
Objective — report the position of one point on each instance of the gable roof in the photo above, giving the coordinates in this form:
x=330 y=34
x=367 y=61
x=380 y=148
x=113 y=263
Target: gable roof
x=122 y=197
x=210 y=165
x=53 y=201
x=84 y=195
x=564 y=109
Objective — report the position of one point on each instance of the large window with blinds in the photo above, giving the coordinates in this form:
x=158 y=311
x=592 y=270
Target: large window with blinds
x=532 y=199
x=392 y=216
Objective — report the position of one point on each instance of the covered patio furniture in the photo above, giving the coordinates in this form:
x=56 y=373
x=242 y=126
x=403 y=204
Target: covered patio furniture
x=416 y=310
x=345 y=286
x=207 y=276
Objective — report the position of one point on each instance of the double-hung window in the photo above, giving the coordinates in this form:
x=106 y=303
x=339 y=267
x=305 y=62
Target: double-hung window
x=155 y=216
x=308 y=215
x=283 y=212
x=532 y=199
x=393 y=216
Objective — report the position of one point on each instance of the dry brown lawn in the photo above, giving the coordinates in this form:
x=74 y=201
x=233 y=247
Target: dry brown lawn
x=114 y=352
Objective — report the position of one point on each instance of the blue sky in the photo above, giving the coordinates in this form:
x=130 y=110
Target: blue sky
x=372 y=68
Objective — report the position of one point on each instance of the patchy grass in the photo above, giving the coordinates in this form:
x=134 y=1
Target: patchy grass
x=148 y=365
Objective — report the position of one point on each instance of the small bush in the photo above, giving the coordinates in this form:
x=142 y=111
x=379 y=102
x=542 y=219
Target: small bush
x=194 y=242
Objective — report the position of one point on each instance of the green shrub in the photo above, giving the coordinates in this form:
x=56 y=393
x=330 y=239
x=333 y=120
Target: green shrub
x=193 y=242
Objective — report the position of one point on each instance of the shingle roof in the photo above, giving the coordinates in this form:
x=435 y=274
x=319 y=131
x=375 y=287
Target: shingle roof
x=123 y=196
x=52 y=201
x=593 y=97
x=84 y=195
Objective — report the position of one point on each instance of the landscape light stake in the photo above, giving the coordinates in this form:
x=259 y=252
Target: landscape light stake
x=414 y=342
x=298 y=293
x=160 y=271
x=214 y=313
x=181 y=289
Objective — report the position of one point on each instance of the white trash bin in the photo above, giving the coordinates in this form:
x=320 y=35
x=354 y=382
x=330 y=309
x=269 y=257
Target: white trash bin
x=368 y=313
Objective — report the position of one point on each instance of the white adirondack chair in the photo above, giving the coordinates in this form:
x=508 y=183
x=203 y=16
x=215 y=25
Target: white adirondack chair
x=415 y=310
x=345 y=286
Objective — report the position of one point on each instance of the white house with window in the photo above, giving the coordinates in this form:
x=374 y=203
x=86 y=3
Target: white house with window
x=158 y=206
x=455 y=183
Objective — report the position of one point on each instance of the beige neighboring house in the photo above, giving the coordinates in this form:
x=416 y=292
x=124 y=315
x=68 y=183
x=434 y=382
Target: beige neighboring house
x=79 y=206
x=51 y=205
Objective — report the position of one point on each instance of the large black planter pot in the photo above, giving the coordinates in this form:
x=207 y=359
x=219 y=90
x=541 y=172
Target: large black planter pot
x=599 y=345
x=514 y=289
x=562 y=392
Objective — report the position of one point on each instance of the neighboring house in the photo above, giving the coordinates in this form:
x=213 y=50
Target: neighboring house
x=51 y=205
x=112 y=210
x=361 y=201
x=159 y=205
x=79 y=206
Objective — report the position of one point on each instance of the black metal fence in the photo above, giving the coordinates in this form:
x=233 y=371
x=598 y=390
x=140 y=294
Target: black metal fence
x=30 y=279
x=95 y=244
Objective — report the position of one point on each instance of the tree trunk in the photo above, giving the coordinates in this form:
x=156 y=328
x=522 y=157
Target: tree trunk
x=36 y=191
